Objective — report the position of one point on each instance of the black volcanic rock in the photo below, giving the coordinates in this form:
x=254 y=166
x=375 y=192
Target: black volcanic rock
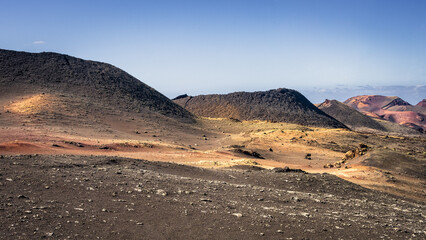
x=396 y=102
x=180 y=96
x=280 y=105
x=349 y=116
x=98 y=81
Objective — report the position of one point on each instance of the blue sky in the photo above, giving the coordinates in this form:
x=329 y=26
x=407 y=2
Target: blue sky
x=221 y=46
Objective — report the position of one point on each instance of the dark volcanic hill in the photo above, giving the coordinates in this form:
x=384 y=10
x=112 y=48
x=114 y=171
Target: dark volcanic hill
x=94 y=80
x=349 y=116
x=281 y=105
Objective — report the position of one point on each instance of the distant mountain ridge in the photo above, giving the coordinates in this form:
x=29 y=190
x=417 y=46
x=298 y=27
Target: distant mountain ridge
x=373 y=103
x=96 y=80
x=280 y=105
x=393 y=109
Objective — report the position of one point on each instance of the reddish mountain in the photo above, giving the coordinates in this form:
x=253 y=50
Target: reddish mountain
x=374 y=103
x=422 y=103
x=393 y=109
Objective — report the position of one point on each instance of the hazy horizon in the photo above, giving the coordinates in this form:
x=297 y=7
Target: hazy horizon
x=328 y=49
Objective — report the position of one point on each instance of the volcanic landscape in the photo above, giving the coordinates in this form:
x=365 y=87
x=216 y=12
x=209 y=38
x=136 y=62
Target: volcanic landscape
x=87 y=151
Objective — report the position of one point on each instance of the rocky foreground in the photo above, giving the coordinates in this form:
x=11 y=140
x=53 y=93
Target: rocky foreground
x=116 y=198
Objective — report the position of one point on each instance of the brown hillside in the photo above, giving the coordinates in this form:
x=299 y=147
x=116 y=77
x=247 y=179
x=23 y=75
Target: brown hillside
x=349 y=116
x=280 y=105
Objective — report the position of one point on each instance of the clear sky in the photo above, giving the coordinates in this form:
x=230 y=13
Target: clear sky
x=221 y=46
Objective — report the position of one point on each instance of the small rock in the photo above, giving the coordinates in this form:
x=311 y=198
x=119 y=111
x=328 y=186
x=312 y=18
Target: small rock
x=238 y=215
x=161 y=192
x=305 y=214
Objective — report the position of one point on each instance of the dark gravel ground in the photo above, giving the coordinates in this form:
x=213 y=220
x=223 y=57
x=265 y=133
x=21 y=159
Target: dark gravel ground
x=87 y=197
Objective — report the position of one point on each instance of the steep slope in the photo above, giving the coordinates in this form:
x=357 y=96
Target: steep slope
x=392 y=109
x=422 y=103
x=349 y=116
x=99 y=82
x=281 y=105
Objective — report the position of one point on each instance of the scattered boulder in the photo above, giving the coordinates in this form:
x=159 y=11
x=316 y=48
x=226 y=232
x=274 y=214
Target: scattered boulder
x=235 y=120
x=161 y=192
x=328 y=165
x=287 y=169
x=249 y=153
x=358 y=151
x=77 y=144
